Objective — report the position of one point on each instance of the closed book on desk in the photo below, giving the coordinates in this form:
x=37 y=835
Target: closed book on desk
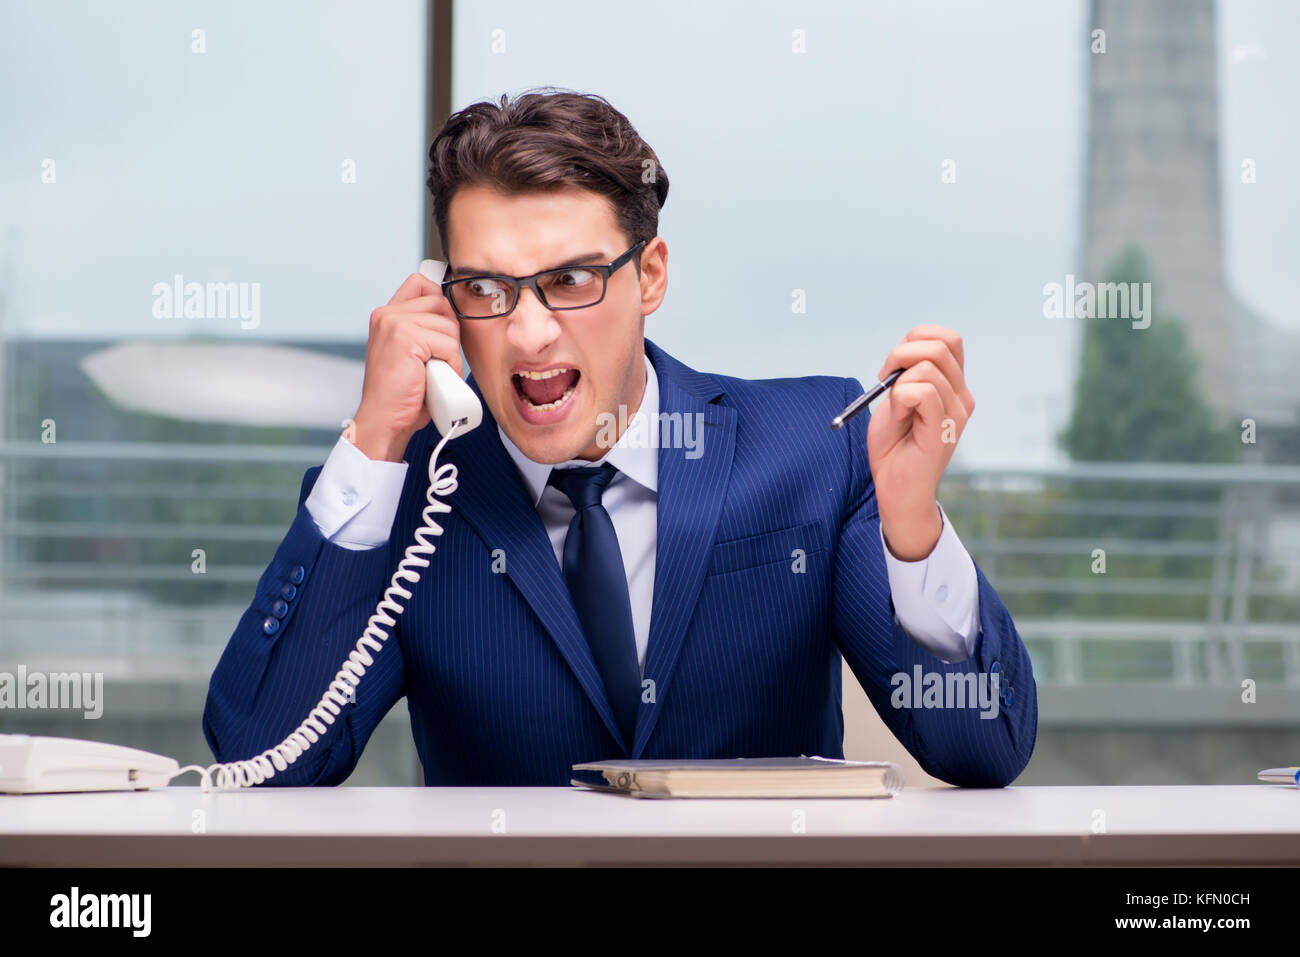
x=800 y=777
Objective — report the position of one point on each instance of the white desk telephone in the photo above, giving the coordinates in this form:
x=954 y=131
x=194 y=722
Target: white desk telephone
x=35 y=764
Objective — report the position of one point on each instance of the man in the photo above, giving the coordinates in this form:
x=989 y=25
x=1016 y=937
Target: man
x=594 y=597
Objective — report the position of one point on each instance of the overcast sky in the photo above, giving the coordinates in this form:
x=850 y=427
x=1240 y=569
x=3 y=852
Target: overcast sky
x=817 y=171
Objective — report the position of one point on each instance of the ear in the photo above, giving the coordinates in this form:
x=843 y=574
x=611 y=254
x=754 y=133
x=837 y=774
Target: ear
x=654 y=274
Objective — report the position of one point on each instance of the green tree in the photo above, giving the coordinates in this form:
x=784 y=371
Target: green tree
x=1135 y=397
x=1135 y=400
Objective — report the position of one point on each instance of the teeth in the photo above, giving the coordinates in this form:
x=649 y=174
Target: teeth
x=549 y=373
x=551 y=405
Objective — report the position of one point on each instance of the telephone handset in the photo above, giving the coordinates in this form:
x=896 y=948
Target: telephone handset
x=35 y=764
x=455 y=410
x=450 y=400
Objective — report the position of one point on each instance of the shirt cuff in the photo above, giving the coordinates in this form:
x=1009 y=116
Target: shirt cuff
x=355 y=498
x=936 y=599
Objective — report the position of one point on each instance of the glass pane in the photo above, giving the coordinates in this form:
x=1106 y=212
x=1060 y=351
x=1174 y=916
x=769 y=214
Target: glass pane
x=842 y=172
x=200 y=207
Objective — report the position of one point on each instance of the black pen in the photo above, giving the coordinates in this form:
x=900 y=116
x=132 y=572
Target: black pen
x=864 y=400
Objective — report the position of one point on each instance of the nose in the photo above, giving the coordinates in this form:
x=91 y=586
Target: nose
x=532 y=328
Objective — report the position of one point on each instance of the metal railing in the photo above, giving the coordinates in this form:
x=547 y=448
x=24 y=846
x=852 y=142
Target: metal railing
x=99 y=546
x=137 y=558
x=1214 y=600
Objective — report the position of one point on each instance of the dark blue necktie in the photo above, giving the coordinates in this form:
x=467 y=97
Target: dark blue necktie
x=593 y=570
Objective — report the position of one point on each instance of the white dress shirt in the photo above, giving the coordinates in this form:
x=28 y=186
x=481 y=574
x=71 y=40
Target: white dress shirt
x=354 y=502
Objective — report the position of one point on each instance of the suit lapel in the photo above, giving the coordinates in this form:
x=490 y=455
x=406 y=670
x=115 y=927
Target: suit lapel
x=500 y=512
x=690 y=496
x=691 y=492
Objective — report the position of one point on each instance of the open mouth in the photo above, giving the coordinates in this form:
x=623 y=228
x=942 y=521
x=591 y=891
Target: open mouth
x=545 y=391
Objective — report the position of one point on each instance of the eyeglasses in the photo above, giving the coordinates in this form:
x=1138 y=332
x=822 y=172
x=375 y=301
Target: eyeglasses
x=568 y=287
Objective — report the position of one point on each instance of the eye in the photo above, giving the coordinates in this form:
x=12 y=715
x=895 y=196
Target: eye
x=487 y=288
x=573 y=277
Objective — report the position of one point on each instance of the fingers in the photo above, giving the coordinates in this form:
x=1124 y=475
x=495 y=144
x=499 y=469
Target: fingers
x=924 y=373
x=431 y=306
x=944 y=405
x=921 y=398
x=415 y=286
x=438 y=345
x=951 y=339
x=924 y=389
x=938 y=353
x=421 y=334
x=387 y=317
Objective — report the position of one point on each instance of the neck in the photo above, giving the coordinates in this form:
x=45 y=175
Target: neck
x=597 y=450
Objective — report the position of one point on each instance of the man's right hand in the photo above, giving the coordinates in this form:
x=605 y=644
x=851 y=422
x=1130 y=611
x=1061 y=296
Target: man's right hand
x=417 y=325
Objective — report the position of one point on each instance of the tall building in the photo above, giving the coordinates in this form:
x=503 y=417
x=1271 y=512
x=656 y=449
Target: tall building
x=1152 y=180
x=1153 y=165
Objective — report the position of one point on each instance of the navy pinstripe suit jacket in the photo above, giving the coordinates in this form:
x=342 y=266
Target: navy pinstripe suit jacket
x=744 y=649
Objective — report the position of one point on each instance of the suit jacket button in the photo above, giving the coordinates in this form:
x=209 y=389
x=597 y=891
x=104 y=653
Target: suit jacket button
x=280 y=608
x=298 y=574
x=271 y=625
x=288 y=591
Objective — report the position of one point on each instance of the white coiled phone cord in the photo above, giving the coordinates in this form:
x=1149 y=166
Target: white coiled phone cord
x=242 y=774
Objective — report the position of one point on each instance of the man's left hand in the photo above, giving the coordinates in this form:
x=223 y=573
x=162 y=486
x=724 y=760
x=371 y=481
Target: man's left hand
x=912 y=435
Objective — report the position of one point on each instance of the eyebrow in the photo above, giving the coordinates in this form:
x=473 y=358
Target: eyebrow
x=584 y=260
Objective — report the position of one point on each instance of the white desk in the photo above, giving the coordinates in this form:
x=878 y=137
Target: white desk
x=1239 y=825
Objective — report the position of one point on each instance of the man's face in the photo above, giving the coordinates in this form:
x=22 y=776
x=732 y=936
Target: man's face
x=599 y=348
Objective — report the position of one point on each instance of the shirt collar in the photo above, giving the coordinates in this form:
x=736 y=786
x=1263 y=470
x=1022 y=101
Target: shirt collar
x=635 y=454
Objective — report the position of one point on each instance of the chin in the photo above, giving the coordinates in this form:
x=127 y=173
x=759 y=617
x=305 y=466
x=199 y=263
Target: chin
x=548 y=444
x=551 y=451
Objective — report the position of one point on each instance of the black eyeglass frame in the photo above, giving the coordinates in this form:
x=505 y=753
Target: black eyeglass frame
x=530 y=282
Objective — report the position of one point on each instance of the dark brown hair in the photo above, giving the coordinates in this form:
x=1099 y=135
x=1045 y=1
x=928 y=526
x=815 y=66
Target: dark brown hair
x=549 y=139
